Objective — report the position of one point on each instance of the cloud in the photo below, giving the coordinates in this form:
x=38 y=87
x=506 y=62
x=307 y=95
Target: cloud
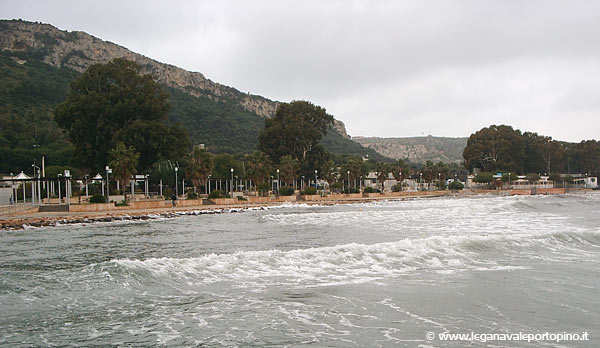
x=386 y=68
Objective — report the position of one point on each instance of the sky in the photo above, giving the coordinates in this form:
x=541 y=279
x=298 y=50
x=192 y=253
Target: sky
x=384 y=68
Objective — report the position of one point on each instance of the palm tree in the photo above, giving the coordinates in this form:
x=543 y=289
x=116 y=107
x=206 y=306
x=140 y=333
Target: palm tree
x=258 y=167
x=400 y=170
x=355 y=167
x=199 y=166
x=289 y=167
x=329 y=172
x=123 y=161
x=383 y=170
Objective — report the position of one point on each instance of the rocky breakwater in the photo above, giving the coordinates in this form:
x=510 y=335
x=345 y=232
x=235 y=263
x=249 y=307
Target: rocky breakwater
x=35 y=222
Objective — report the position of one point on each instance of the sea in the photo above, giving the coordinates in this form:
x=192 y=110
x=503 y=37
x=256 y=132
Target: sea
x=483 y=271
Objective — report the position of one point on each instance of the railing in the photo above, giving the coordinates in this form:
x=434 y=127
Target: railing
x=8 y=209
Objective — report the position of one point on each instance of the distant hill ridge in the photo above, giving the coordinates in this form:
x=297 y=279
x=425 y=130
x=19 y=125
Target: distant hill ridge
x=77 y=50
x=417 y=149
x=222 y=117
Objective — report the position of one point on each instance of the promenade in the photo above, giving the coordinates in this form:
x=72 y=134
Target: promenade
x=147 y=209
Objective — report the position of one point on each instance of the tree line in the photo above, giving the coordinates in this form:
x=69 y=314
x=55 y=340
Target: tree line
x=504 y=149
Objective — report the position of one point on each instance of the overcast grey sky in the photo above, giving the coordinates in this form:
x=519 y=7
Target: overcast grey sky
x=385 y=68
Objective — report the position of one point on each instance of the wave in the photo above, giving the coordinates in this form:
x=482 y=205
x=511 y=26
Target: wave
x=348 y=263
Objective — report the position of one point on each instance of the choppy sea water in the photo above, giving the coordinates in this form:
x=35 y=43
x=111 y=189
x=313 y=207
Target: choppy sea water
x=363 y=275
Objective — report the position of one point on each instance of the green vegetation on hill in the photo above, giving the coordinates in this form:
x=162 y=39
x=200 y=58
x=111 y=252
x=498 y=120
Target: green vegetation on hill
x=39 y=61
x=221 y=126
x=337 y=144
x=28 y=94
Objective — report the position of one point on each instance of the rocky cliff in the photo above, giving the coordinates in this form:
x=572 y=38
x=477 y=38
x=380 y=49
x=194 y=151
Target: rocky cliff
x=78 y=50
x=417 y=149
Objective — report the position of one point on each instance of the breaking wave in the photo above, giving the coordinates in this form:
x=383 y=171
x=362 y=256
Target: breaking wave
x=348 y=263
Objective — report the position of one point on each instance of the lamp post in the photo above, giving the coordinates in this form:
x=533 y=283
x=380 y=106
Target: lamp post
x=86 y=185
x=400 y=180
x=509 y=180
x=302 y=184
x=108 y=171
x=68 y=186
x=176 y=185
x=231 y=182
x=209 y=185
x=316 y=177
x=360 y=181
x=348 y=172
x=439 y=181
x=12 y=188
x=278 y=182
x=420 y=180
x=36 y=184
x=59 y=194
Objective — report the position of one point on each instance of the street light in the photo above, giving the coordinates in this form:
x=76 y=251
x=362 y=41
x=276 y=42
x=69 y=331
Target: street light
x=38 y=194
x=348 y=172
x=278 y=182
x=12 y=188
x=302 y=184
x=231 y=182
x=108 y=171
x=176 y=188
x=316 y=176
x=360 y=181
x=59 y=194
x=86 y=185
x=209 y=185
x=400 y=175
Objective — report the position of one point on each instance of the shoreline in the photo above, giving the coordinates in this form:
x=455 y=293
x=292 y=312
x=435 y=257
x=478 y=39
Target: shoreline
x=53 y=219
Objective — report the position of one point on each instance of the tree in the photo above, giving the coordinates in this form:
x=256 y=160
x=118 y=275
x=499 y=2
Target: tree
x=199 y=166
x=123 y=161
x=586 y=157
x=112 y=103
x=428 y=171
x=295 y=130
x=493 y=148
x=258 y=167
x=383 y=170
x=400 y=170
x=288 y=167
x=354 y=165
x=484 y=177
x=329 y=172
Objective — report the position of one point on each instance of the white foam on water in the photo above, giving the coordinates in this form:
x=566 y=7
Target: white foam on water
x=347 y=263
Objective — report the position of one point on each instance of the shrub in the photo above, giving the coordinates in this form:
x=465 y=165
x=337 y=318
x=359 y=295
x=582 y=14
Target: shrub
x=167 y=193
x=97 y=199
x=397 y=188
x=192 y=195
x=533 y=177
x=309 y=190
x=286 y=191
x=456 y=185
x=369 y=189
x=484 y=177
x=241 y=198
x=351 y=190
x=218 y=194
x=336 y=185
x=262 y=189
x=122 y=204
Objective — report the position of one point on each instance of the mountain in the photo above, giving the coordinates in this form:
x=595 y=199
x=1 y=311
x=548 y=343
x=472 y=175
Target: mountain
x=38 y=61
x=417 y=149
